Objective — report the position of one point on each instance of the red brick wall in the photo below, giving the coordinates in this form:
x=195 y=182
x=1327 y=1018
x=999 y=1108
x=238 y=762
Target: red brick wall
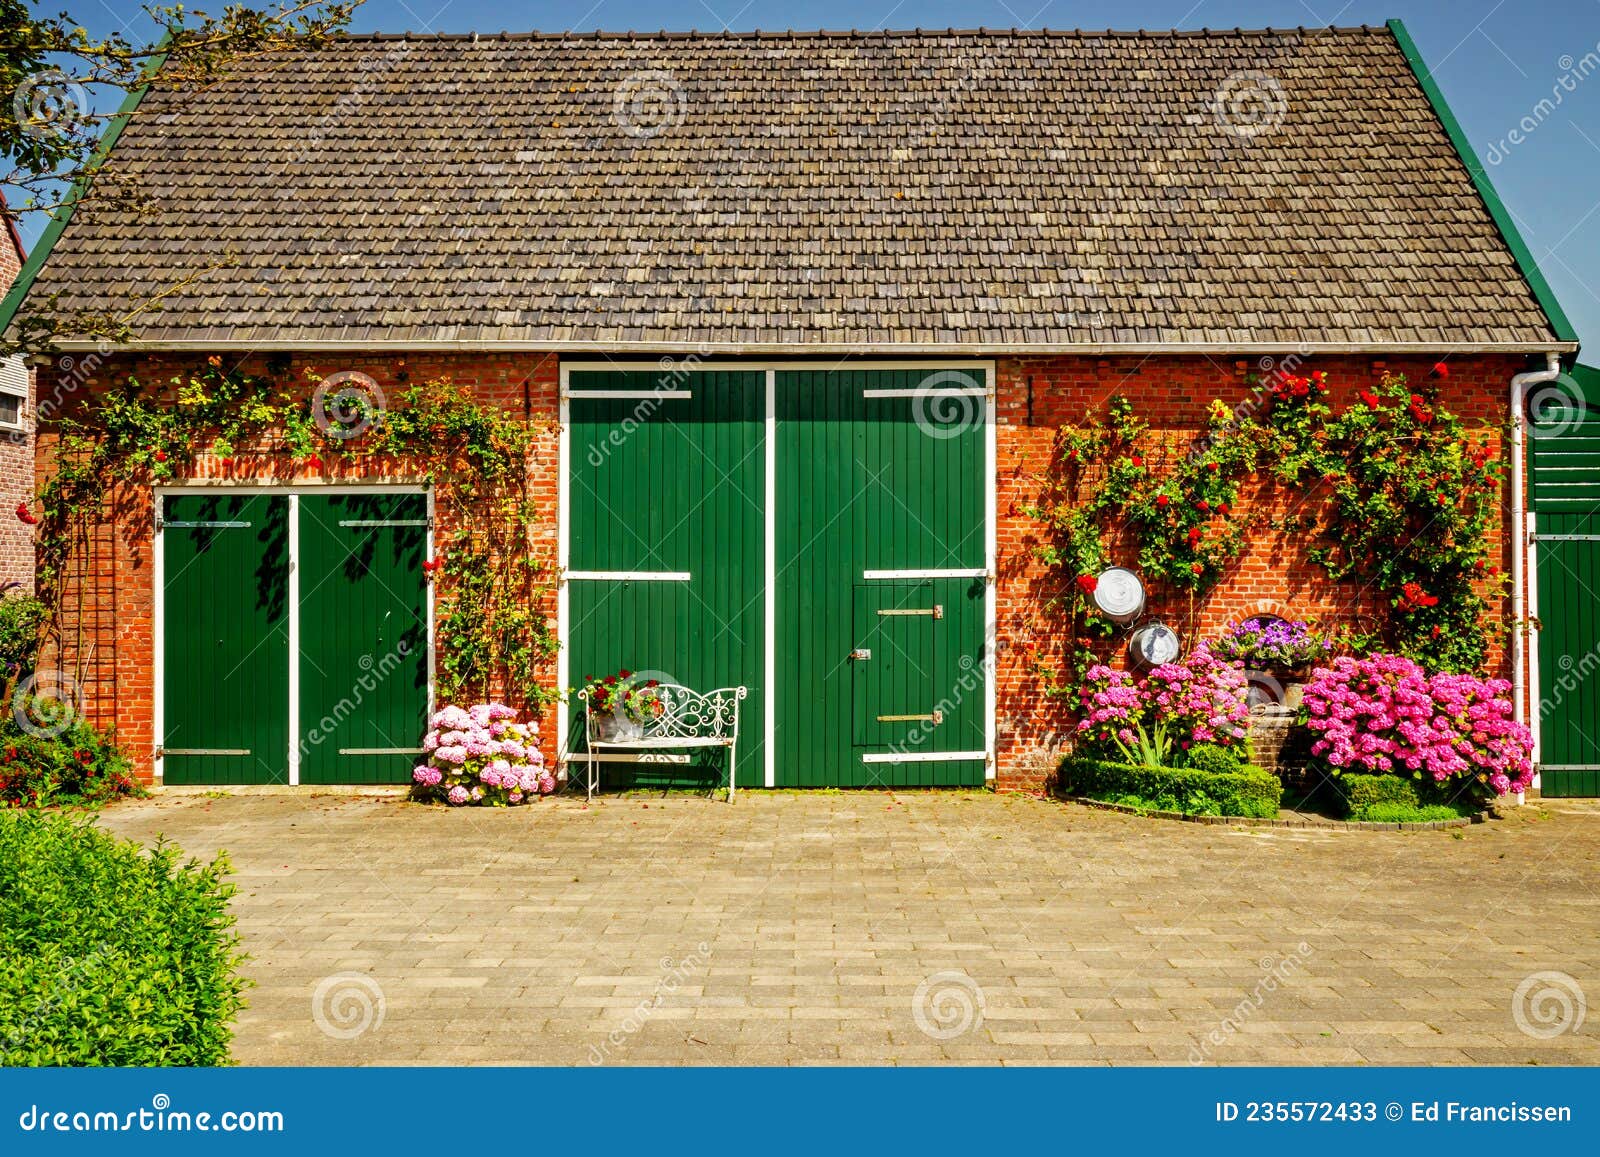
x=16 y=463
x=109 y=595
x=109 y=643
x=1038 y=395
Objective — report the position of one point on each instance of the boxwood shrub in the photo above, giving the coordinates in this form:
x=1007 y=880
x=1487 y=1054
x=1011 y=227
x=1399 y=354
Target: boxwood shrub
x=1394 y=798
x=109 y=954
x=1249 y=791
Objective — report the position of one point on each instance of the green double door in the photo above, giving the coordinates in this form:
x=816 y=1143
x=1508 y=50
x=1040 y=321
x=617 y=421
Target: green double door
x=345 y=635
x=1568 y=549
x=871 y=528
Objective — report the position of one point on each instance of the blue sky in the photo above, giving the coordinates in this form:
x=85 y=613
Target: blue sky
x=1495 y=59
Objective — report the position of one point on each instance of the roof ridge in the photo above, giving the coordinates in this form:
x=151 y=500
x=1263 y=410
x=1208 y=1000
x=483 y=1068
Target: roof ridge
x=871 y=34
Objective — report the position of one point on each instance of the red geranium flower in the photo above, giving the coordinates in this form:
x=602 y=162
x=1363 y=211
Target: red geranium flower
x=1087 y=583
x=1202 y=506
x=1370 y=399
x=1197 y=568
x=1213 y=467
x=1440 y=370
x=1222 y=508
x=1161 y=500
x=23 y=515
x=1137 y=460
x=161 y=455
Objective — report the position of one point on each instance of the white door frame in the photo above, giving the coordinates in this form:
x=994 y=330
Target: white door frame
x=689 y=365
x=158 y=569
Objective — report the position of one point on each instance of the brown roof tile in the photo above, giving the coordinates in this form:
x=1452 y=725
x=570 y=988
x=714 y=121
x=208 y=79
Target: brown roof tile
x=911 y=188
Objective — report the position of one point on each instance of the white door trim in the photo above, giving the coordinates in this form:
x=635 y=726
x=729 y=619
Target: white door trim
x=769 y=598
x=158 y=576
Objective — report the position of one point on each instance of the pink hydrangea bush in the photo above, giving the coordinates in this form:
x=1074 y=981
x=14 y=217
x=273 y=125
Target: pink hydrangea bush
x=1385 y=715
x=482 y=755
x=1152 y=720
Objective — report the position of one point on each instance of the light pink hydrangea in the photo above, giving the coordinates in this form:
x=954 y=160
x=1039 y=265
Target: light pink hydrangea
x=1203 y=699
x=482 y=754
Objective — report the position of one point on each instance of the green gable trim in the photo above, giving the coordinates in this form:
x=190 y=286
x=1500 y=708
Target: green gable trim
x=1480 y=181
x=80 y=189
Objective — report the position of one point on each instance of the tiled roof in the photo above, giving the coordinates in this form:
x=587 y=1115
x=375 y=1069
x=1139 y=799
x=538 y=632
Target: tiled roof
x=910 y=189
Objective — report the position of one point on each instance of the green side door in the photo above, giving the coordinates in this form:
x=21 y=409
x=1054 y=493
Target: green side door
x=225 y=639
x=1564 y=487
x=880 y=483
x=363 y=666
x=666 y=484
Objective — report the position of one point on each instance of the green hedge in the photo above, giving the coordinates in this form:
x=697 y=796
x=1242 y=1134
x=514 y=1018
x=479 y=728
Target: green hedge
x=1246 y=792
x=1394 y=798
x=111 y=955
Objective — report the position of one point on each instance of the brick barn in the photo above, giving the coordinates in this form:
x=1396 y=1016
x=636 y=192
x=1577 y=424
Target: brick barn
x=794 y=319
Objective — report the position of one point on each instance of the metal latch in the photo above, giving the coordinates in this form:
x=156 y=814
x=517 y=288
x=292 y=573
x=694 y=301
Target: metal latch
x=861 y=653
x=936 y=611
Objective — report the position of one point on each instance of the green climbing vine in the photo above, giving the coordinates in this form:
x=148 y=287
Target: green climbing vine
x=492 y=628
x=1400 y=500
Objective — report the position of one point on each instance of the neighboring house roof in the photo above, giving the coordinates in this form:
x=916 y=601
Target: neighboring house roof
x=13 y=238
x=981 y=191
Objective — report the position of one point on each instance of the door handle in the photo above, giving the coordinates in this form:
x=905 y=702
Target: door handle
x=861 y=653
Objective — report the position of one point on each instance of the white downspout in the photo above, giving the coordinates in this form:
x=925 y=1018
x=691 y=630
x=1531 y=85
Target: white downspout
x=1523 y=654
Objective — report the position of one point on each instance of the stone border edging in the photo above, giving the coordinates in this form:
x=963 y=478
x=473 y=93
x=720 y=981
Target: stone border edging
x=1258 y=822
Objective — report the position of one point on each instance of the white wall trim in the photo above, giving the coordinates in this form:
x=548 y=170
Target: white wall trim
x=158 y=621
x=769 y=610
x=294 y=639
x=563 y=556
x=922 y=756
x=628 y=576
x=925 y=573
x=991 y=587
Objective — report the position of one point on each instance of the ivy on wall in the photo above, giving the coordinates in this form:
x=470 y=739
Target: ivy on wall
x=1395 y=496
x=492 y=630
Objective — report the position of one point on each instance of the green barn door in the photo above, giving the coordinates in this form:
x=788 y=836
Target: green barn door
x=363 y=633
x=1564 y=487
x=880 y=593
x=225 y=639
x=666 y=557
x=1568 y=547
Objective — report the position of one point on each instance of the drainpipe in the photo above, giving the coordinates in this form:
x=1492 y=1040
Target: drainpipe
x=1521 y=657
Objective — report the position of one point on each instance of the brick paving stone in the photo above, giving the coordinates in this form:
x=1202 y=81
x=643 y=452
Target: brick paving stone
x=796 y=928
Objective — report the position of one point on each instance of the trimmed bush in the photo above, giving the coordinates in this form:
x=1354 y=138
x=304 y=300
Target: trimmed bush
x=1394 y=799
x=1248 y=791
x=81 y=766
x=111 y=955
x=1216 y=760
x=1364 y=792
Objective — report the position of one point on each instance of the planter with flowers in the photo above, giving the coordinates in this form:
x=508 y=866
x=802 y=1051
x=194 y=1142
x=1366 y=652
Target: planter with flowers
x=1278 y=652
x=481 y=756
x=622 y=705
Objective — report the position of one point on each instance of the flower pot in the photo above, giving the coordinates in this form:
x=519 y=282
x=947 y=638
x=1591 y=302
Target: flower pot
x=616 y=728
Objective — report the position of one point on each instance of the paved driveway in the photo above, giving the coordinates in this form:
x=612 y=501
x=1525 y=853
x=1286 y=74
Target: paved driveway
x=880 y=928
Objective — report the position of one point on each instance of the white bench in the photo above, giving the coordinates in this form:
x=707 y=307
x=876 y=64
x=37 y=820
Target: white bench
x=688 y=719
